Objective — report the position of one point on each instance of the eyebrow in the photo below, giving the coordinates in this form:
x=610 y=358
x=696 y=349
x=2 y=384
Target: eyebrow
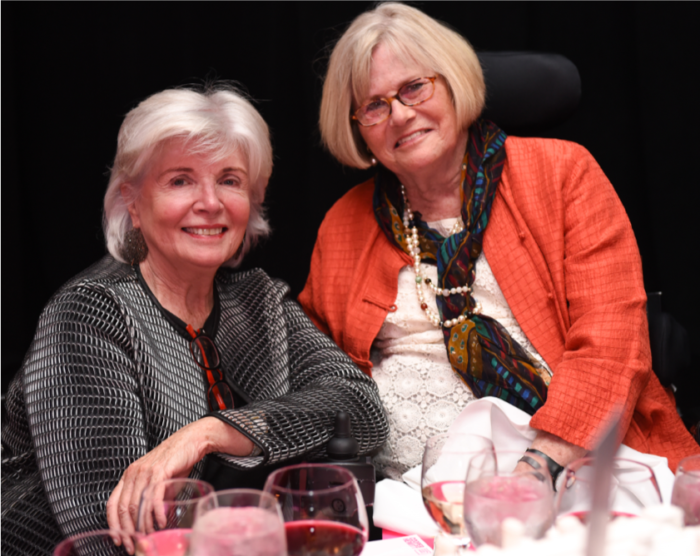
x=185 y=169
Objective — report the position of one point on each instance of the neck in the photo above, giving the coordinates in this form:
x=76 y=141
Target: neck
x=435 y=191
x=189 y=296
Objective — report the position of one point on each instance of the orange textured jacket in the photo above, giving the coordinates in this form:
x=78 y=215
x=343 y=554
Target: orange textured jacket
x=562 y=250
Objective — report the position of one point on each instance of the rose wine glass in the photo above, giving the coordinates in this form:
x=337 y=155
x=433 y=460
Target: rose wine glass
x=167 y=513
x=445 y=461
x=686 y=489
x=633 y=487
x=493 y=492
x=100 y=543
x=322 y=508
x=238 y=522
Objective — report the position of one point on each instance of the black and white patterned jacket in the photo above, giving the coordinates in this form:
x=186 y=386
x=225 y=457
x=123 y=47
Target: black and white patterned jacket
x=108 y=377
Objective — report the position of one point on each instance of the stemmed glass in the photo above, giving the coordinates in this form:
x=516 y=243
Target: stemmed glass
x=686 y=489
x=99 y=543
x=494 y=492
x=322 y=508
x=238 y=522
x=445 y=462
x=167 y=513
x=633 y=487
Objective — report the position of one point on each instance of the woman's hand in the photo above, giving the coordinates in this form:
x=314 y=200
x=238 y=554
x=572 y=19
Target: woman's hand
x=558 y=449
x=173 y=458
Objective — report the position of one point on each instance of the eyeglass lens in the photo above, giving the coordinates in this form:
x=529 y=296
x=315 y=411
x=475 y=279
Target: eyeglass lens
x=220 y=396
x=205 y=352
x=410 y=94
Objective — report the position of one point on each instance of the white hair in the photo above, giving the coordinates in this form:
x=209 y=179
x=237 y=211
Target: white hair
x=217 y=121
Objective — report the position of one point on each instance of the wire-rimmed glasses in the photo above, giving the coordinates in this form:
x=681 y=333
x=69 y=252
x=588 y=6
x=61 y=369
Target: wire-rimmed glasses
x=411 y=94
x=203 y=349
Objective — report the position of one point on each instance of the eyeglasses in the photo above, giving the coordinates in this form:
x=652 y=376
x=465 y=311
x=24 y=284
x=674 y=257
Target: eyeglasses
x=203 y=349
x=412 y=93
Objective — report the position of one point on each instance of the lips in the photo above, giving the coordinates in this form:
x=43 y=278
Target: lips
x=411 y=136
x=204 y=231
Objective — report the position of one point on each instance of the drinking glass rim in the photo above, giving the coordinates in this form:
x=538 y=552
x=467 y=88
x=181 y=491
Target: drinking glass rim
x=451 y=435
x=285 y=490
x=591 y=459
x=693 y=472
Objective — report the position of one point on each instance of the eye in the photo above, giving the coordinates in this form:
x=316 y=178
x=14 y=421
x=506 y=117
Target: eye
x=179 y=181
x=412 y=90
x=230 y=181
x=373 y=106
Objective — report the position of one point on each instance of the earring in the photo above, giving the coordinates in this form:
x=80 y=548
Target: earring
x=134 y=248
x=373 y=161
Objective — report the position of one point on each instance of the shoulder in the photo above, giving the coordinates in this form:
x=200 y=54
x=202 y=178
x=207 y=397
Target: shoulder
x=538 y=155
x=355 y=205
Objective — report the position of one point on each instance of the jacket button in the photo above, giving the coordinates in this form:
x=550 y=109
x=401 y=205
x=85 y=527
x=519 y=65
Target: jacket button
x=392 y=308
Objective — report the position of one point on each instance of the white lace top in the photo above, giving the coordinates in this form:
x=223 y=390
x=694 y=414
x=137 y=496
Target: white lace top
x=421 y=393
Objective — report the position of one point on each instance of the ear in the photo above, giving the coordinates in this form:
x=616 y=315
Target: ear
x=128 y=193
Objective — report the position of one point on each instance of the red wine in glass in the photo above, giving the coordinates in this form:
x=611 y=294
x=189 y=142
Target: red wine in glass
x=320 y=538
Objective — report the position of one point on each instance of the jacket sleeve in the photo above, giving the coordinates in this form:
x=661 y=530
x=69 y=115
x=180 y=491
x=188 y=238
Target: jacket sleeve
x=606 y=362
x=82 y=404
x=317 y=380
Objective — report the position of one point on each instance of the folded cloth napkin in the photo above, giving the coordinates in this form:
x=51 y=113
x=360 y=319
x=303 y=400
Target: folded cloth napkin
x=398 y=505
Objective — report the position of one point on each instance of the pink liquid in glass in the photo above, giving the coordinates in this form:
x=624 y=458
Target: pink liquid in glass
x=321 y=538
x=238 y=531
x=686 y=495
x=583 y=516
x=490 y=500
x=169 y=542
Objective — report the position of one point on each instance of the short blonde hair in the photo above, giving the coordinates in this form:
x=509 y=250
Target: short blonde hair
x=412 y=36
x=217 y=120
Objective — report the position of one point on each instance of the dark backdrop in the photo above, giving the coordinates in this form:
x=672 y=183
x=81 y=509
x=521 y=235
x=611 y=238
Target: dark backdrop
x=71 y=71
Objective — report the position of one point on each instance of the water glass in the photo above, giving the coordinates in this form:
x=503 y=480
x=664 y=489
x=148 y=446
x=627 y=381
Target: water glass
x=494 y=492
x=238 y=522
x=167 y=514
x=686 y=489
x=633 y=487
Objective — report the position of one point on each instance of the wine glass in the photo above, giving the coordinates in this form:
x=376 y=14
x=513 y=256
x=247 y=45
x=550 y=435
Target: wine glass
x=238 y=522
x=686 y=489
x=322 y=508
x=445 y=461
x=633 y=487
x=493 y=492
x=167 y=513
x=101 y=543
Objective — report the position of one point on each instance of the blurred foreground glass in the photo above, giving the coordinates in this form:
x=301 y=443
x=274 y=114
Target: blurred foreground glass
x=238 y=522
x=494 y=492
x=686 y=489
x=445 y=462
x=167 y=514
x=100 y=543
x=322 y=508
x=632 y=488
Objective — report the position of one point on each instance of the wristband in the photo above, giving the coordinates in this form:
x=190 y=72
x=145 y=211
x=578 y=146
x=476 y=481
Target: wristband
x=554 y=468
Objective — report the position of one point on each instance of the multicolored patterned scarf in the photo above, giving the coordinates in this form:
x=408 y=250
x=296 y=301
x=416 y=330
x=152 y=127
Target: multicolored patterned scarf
x=480 y=350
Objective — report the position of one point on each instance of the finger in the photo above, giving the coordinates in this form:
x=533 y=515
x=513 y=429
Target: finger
x=159 y=505
x=112 y=505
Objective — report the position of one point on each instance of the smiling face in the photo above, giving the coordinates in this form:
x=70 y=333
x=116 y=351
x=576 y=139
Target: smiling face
x=414 y=139
x=192 y=211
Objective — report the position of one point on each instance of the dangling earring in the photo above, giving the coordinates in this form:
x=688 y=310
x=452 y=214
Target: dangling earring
x=134 y=248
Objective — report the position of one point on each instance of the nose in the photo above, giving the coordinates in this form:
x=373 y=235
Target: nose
x=400 y=113
x=208 y=197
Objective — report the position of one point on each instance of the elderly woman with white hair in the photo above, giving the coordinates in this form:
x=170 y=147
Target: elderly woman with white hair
x=475 y=264
x=161 y=354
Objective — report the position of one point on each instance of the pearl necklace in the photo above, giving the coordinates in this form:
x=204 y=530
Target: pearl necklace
x=421 y=279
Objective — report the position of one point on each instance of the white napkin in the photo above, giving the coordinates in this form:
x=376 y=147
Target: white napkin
x=398 y=505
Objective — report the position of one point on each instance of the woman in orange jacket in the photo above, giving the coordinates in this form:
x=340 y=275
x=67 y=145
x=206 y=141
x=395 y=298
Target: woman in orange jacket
x=475 y=264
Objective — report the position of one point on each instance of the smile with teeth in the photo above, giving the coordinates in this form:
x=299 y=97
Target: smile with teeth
x=412 y=136
x=204 y=231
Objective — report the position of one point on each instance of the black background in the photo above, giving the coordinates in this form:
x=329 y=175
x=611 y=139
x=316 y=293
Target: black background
x=71 y=71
